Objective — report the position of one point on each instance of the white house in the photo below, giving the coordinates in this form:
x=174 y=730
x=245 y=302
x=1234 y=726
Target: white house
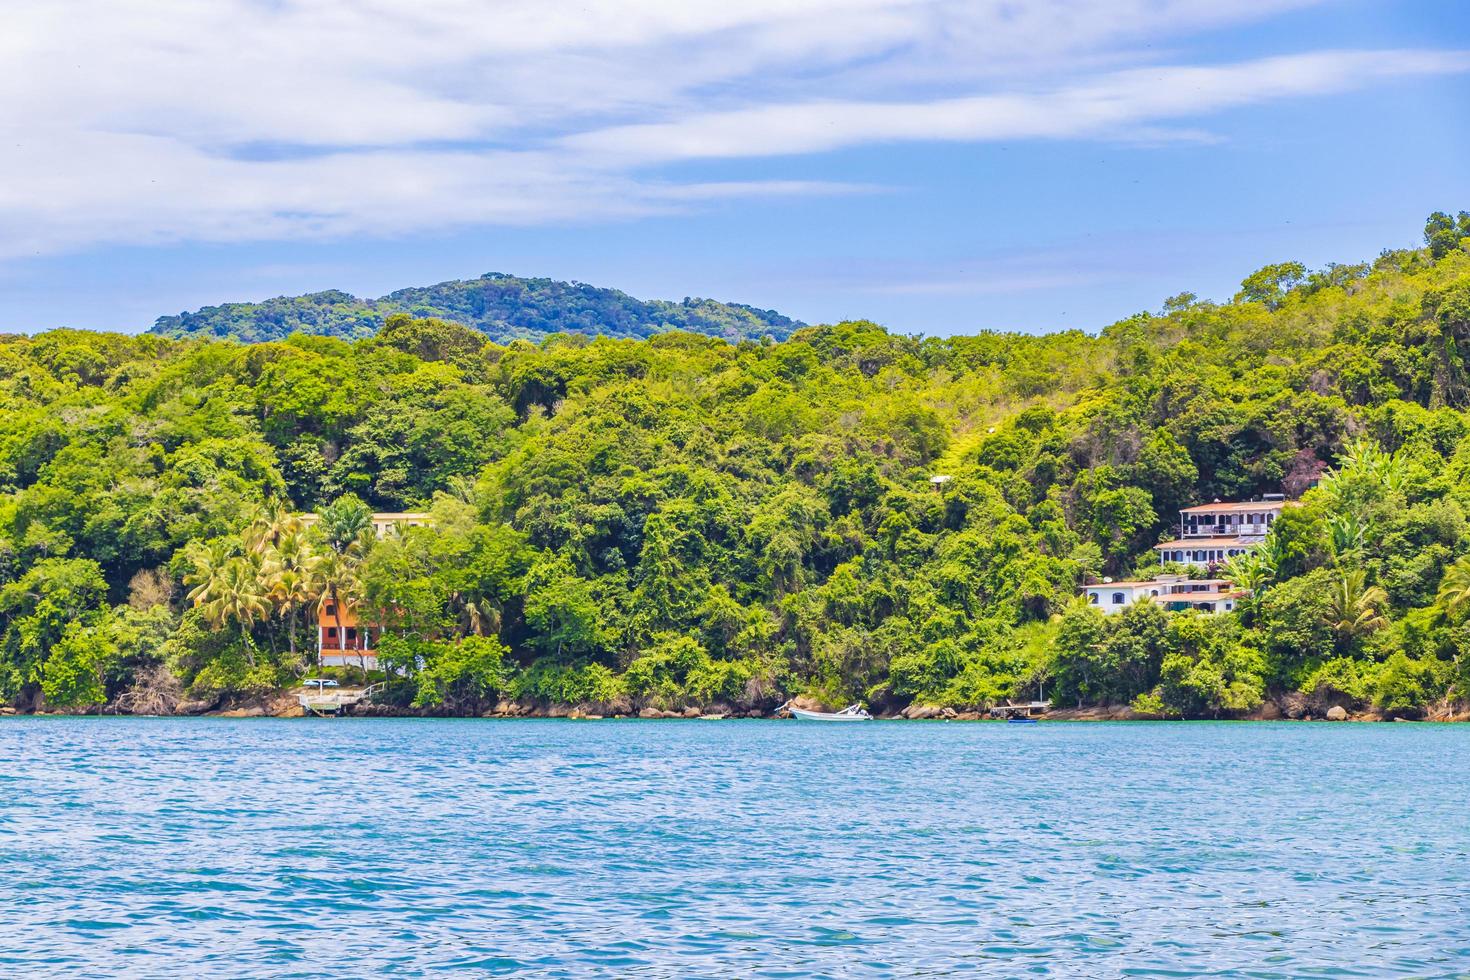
x=1173 y=592
x=1212 y=534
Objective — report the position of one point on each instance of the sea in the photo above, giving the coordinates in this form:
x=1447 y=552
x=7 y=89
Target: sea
x=133 y=847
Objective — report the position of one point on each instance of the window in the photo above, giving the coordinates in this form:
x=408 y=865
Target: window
x=1092 y=598
x=351 y=634
x=1229 y=606
x=331 y=632
x=331 y=609
x=1117 y=598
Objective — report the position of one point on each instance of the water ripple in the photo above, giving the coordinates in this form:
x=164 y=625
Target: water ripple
x=227 y=848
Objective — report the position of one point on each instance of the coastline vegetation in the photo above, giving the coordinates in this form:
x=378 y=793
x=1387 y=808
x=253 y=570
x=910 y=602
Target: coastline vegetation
x=685 y=521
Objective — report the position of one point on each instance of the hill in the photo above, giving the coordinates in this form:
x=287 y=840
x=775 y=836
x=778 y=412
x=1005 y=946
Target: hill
x=503 y=307
x=681 y=522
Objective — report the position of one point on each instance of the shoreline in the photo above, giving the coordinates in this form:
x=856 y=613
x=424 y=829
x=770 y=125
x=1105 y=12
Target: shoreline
x=286 y=706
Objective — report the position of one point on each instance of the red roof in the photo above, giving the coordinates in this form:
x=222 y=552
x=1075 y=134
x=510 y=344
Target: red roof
x=1247 y=541
x=1236 y=506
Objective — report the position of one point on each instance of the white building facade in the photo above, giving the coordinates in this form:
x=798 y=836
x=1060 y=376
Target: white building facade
x=1175 y=593
x=1212 y=534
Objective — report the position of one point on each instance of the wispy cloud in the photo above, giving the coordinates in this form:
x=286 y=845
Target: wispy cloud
x=144 y=120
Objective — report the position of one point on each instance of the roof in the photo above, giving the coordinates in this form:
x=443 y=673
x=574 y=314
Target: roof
x=380 y=516
x=1229 y=541
x=1126 y=585
x=1236 y=506
x=1197 y=596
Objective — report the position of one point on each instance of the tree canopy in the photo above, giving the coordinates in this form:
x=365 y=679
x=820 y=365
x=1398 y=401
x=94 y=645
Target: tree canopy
x=682 y=520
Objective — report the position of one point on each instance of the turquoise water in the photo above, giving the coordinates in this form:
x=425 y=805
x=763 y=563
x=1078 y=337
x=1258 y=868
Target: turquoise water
x=215 y=848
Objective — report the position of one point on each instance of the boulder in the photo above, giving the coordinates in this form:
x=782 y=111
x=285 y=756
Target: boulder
x=922 y=712
x=1337 y=713
x=692 y=712
x=650 y=713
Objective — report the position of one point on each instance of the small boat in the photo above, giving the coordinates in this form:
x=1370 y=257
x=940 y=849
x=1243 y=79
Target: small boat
x=853 y=712
x=1019 y=720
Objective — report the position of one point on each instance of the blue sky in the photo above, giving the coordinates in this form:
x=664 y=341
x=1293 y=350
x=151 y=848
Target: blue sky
x=940 y=166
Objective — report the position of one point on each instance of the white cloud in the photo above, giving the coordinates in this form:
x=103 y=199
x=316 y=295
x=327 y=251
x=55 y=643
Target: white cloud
x=168 y=120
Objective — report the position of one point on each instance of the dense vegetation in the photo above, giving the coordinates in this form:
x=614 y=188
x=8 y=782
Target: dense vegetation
x=504 y=308
x=686 y=521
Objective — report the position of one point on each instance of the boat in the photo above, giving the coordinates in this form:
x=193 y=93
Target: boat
x=1019 y=720
x=853 y=712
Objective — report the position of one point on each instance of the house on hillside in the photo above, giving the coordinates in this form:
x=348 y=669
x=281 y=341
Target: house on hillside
x=384 y=524
x=341 y=640
x=1212 y=534
x=1173 y=592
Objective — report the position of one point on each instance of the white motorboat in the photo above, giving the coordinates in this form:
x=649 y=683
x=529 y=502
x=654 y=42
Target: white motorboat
x=853 y=712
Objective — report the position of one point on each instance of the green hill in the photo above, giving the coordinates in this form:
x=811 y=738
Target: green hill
x=502 y=307
x=679 y=522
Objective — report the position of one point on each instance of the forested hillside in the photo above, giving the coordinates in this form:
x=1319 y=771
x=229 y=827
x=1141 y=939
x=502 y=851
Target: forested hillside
x=686 y=521
x=504 y=308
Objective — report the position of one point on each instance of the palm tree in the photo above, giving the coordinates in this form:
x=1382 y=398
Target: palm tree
x=205 y=578
x=233 y=593
x=346 y=521
x=290 y=570
x=1453 y=597
x=272 y=521
x=1250 y=572
x=338 y=584
x=1355 y=608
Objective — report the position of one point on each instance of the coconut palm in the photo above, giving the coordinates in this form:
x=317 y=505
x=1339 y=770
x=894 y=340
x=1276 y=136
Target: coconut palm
x=233 y=593
x=291 y=573
x=1453 y=597
x=1355 y=608
x=1250 y=572
x=345 y=522
x=338 y=585
x=272 y=521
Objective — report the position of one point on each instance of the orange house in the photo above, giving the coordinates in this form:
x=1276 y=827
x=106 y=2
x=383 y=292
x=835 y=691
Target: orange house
x=341 y=641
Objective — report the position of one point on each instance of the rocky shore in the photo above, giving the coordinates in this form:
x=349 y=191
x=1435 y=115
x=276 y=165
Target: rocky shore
x=1291 y=707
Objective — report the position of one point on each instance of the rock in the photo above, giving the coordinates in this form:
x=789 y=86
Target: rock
x=558 y=711
x=806 y=703
x=692 y=712
x=948 y=714
x=754 y=713
x=1294 y=705
x=7 y=710
x=650 y=713
x=503 y=707
x=968 y=716
x=922 y=712
x=192 y=707
x=1337 y=713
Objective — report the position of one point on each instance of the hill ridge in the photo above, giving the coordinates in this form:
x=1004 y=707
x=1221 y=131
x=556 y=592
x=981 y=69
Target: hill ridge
x=503 y=306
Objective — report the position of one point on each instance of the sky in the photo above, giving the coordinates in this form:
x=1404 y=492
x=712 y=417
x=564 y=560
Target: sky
x=939 y=166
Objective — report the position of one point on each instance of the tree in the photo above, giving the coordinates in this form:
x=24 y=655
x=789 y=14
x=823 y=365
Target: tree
x=1453 y=598
x=291 y=571
x=1444 y=234
x=345 y=522
x=1355 y=608
x=1270 y=284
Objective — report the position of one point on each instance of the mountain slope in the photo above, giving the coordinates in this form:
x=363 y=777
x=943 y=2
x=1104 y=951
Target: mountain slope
x=503 y=307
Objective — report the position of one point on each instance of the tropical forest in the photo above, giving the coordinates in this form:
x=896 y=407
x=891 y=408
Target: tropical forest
x=716 y=520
